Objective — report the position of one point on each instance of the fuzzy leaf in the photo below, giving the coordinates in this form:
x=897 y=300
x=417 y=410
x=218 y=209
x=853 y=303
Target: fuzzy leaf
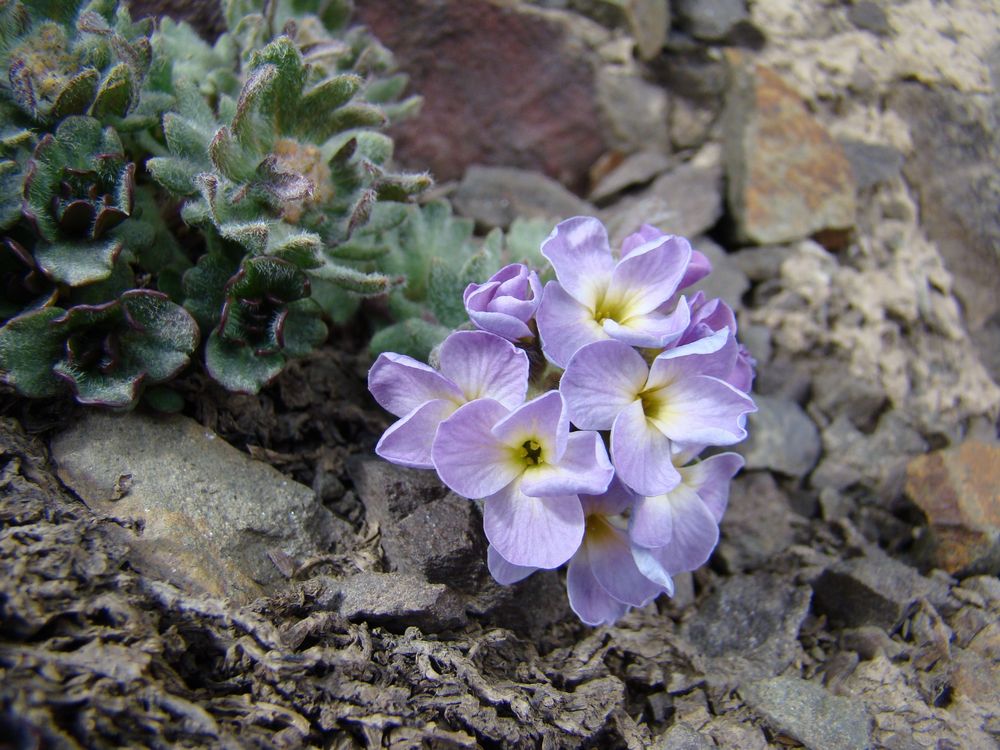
x=374 y=146
x=414 y=337
x=367 y=284
x=163 y=399
x=164 y=336
x=231 y=157
x=350 y=116
x=77 y=263
x=29 y=348
x=384 y=90
x=77 y=95
x=303 y=329
x=176 y=175
x=319 y=102
x=115 y=390
x=238 y=368
x=205 y=285
x=253 y=235
x=399 y=187
x=114 y=97
x=186 y=137
x=301 y=248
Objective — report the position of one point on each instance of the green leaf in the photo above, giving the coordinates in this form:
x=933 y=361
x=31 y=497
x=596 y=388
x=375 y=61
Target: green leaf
x=116 y=390
x=384 y=90
x=78 y=263
x=366 y=284
x=414 y=337
x=77 y=95
x=524 y=244
x=231 y=158
x=319 y=102
x=205 y=287
x=252 y=235
x=176 y=175
x=185 y=137
x=238 y=368
x=30 y=346
x=348 y=117
x=114 y=97
x=298 y=247
x=303 y=329
x=164 y=334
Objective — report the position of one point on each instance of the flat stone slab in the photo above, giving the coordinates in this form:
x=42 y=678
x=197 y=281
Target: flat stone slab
x=206 y=514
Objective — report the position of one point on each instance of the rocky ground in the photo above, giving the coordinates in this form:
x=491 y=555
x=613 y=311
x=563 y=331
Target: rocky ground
x=249 y=575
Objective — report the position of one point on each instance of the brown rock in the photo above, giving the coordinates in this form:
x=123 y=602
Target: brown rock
x=958 y=489
x=788 y=179
x=503 y=84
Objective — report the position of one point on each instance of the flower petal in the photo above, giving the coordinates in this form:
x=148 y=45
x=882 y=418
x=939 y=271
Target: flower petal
x=539 y=532
x=644 y=234
x=641 y=454
x=601 y=380
x=565 y=325
x=703 y=410
x=408 y=441
x=695 y=535
x=584 y=468
x=467 y=456
x=616 y=499
x=699 y=267
x=503 y=325
x=653 y=330
x=400 y=384
x=543 y=420
x=711 y=478
x=587 y=597
x=503 y=572
x=485 y=366
x=713 y=355
x=652 y=521
x=649 y=276
x=612 y=565
x=650 y=566
x=579 y=251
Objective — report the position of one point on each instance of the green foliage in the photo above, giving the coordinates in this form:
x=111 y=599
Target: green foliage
x=157 y=191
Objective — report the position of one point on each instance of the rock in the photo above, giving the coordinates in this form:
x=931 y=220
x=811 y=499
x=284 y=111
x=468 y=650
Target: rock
x=787 y=178
x=503 y=84
x=710 y=20
x=427 y=531
x=869 y=16
x=958 y=489
x=871 y=590
x=870 y=641
x=856 y=398
x=687 y=200
x=726 y=280
x=758 y=523
x=683 y=737
x=691 y=121
x=878 y=460
x=495 y=196
x=872 y=163
x=955 y=169
x=757 y=340
x=636 y=111
x=530 y=607
x=400 y=600
x=782 y=438
x=762 y=263
x=810 y=714
x=649 y=21
x=209 y=514
x=748 y=629
x=634 y=169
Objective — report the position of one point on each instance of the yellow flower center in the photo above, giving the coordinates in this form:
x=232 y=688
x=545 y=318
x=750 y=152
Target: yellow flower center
x=531 y=453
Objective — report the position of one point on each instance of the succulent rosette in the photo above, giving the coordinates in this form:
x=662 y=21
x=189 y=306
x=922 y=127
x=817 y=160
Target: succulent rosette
x=654 y=375
x=104 y=353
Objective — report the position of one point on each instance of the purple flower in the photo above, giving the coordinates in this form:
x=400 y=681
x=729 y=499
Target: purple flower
x=529 y=468
x=599 y=297
x=679 y=398
x=708 y=316
x=506 y=303
x=677 y=531
x=474 y=365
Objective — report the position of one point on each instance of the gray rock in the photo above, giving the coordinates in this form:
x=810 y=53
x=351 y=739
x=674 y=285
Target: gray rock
x=954 y=169
x=870 y=641
x=683 y=737
x=710 y=20
x=209 y=514
x=810 y=714
x=649 y=21
x=758 y=522
x=400 y=600
x=856 y=398
x=427 y=531
x=872 y=163
x=782 y=438
x=635 y=169
x=495 y=196
x=748 y=629
x=871 y=590
x=691 y=121
x=686 y=200
x=762 y=263
x=635 y=110
x=757 y=340
x=869 y=16
x=726 y=280
x=787 y=178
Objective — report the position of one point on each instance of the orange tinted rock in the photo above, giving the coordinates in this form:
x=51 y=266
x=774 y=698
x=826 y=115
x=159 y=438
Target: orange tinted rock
x=788 y=178
x=959 y=491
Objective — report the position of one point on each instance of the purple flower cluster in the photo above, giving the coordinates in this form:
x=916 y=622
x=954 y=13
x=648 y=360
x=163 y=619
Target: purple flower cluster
x=602 y=473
